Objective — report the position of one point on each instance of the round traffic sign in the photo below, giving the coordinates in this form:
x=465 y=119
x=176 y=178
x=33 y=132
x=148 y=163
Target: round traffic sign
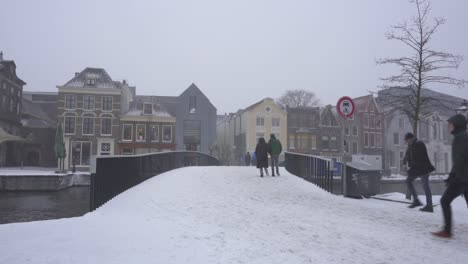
x=345 y=107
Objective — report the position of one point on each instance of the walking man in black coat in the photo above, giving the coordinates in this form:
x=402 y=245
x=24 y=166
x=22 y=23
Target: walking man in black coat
x=457 y=182
x=419 y=166
x=261 y=152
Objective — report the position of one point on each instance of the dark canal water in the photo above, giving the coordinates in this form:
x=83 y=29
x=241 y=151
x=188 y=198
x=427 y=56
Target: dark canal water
x=33 y=206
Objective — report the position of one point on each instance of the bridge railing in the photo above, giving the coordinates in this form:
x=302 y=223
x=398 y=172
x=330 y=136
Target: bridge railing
x=113 y=175
x=314 y=169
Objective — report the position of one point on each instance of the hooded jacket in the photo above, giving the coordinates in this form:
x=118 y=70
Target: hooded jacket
x=459 y=149
x=418 y=160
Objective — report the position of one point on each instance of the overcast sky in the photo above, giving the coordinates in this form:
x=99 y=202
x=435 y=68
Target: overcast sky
x=237 y=52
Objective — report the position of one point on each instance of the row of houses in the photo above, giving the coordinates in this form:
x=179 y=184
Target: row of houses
x=99 y=116
x=369 y=136
x=102 y=116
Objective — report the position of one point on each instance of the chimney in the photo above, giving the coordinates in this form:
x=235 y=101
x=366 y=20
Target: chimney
x=76 y=73
x=1 y=55
x=124 y=81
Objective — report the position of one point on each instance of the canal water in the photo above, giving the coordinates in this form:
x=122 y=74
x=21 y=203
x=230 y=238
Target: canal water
x=34 y=206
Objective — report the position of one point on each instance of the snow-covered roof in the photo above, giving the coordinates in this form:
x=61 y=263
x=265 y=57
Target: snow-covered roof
x=99 y=77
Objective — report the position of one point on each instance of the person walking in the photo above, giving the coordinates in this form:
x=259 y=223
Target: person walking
x=457 y=182
x=275 y=151
x=419 y=167
x=247 y=159
x=261 y=153
x=253 y=160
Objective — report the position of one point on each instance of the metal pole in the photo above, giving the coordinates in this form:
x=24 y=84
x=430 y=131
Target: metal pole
x=343 y=170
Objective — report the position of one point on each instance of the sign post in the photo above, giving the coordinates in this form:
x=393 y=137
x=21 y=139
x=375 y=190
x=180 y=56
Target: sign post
x=345 y=107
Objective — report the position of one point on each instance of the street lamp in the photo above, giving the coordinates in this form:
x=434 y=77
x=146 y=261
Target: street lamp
x=463 y=109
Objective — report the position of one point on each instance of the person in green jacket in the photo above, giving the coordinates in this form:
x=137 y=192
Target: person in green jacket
x=275 y=150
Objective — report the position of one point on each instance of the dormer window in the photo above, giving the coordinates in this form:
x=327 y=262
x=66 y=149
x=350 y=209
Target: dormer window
x=147 y=109
x=90 y=82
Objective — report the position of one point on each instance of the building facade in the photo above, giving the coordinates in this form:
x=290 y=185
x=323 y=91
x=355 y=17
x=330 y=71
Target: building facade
x=11 y=89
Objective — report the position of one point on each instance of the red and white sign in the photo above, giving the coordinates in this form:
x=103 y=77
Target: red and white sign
x=345 y=107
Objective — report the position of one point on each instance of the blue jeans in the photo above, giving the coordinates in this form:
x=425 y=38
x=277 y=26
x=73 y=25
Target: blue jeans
x=425 y=184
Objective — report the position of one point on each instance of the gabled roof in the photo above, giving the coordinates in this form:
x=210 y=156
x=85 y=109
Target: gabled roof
x=362 y=102
x=256 y=104
x=102 y=79
x=5 y=66
x=193 y=87
x=136 y=107
x=33 y=115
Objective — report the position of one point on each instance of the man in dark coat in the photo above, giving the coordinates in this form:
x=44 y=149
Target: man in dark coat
x=419 y=166
x=261 y=152
x=457 y=182
x=275 y=151
x=247 y=159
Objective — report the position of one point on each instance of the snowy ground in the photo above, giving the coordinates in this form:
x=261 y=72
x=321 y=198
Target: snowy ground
x=230 y=215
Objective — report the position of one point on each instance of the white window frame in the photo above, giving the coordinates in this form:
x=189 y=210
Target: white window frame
x=357 y=130
x=157 y=129
x=123 y=132
x=365 y=116
x=144 y=105
x=102 y=119
x=88 y=109
x=65 y=101
x=166 y=141
x=366 y=144
x=83 y=117
x=136 y=132
x=64 y=123
x=102 y=104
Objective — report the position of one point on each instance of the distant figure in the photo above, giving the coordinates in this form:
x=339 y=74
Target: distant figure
x=247 y=159
x=261 y=152
x=253 y=161
x=457 y=182
x=419 y=166
x=275 y=151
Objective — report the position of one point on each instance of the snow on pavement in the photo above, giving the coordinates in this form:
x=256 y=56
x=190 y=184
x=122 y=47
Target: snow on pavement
x=230 y=215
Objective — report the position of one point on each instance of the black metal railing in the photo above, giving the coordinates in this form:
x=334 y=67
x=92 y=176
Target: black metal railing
x=116 y=174
x=314 y=169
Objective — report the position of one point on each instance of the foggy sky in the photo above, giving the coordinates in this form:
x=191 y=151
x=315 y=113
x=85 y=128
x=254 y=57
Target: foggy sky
x=236 y=52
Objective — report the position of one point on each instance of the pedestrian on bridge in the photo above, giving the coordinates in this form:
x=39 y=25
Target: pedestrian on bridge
x=419 y=167
x=457 y=182
x=275 y=151
x=261 y=153
x=247 y=159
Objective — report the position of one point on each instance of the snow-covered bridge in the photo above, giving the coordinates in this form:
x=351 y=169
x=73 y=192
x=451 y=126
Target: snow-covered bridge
x=230 y=215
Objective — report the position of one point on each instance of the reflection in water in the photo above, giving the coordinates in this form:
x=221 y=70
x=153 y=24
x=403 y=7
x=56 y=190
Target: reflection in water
x=33 y=206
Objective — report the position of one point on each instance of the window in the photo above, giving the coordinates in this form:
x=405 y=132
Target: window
x=346 y=146
x=366 y=139
x=401 y=124
x=434 y=131
x=372 y=121
x=88 y=102
x=167 y=133
x=106 y=125
x=355 y=148
x=291 y=142
x=313 y=141
x=107 y=102
x=378 y=140
x=69 y=124
x=333 y=143
x=12 y=105
x=140 y=132
x=4 y=85
x=147 y=109
x=192 y=133
x=275 y=122
x=366 y=120
x=192 y=104
x=81 y=152
x=346 y=129
x=90 y=82
x=105 y=148
x=378 y=122
x=372 y=140
x=302 y=141
x=154 y=133
x=18 y=108
x=396 y=139
x=260 y=121
x=325 y=142
x=88 y=125
x=355 y=130
x=70 y=101
x=127 y=132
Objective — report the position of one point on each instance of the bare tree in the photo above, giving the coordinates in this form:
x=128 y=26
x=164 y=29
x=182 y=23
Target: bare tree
x=419 y=70
x=298 y=98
